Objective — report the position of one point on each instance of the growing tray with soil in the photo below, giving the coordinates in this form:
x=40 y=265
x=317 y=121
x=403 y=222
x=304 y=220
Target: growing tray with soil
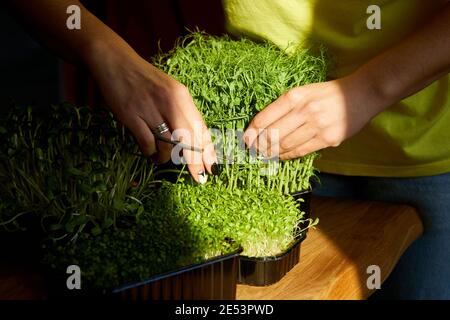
x=102 y=206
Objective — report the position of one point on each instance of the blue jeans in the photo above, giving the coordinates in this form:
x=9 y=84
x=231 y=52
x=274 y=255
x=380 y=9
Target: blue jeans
x=423 y=271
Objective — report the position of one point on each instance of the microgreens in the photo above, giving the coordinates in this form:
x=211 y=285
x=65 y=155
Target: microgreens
x=231 y=81
x=103 y=205
x=189 y=223
x=72 y=167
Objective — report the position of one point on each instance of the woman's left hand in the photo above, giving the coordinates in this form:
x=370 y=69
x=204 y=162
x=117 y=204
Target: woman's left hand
x=313 y=117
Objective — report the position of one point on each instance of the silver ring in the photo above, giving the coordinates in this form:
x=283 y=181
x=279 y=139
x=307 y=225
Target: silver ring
x=161 y=129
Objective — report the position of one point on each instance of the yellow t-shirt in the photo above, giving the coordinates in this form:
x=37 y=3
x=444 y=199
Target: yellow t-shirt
x=410 y=138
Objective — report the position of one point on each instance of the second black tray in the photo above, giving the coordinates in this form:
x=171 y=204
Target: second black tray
x=264 y=271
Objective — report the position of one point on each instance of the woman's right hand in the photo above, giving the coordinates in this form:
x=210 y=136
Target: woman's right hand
x=142 y=97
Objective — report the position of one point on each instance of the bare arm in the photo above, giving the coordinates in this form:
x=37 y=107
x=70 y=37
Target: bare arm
x=414 y=63
x=321 y=115
x=47 y=20
x=139 y=94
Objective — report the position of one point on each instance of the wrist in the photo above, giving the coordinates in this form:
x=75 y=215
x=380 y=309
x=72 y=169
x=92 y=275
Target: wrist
x=362 y=95
x=380 y=86
x=104 y=53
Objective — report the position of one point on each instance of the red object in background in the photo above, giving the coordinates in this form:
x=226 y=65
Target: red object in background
x=147 y=26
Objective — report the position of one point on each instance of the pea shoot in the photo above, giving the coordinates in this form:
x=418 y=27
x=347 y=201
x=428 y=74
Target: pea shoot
x=104 y=207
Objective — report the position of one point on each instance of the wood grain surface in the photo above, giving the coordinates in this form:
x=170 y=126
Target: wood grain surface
x=351 y=236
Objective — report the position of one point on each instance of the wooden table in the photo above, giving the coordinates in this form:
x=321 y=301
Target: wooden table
x=334 y=259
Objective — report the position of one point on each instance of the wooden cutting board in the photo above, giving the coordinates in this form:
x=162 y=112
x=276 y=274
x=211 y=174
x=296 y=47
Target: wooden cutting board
x=350 y=237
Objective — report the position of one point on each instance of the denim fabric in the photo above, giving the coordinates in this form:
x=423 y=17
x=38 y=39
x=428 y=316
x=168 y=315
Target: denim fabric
x=423 y=271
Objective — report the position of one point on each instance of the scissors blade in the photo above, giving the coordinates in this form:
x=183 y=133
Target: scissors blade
x=178 y=143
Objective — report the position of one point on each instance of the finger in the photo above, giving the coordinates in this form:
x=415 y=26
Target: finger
x=193 y=159
x=195 y=166
x=286 y=125
x=210 y=161
x=269 y=142
x=164 y=149
x=273 y=112
x=142 y=134
x=306 y=148
x=195 y=134
x=298 y=137
x=261 y=144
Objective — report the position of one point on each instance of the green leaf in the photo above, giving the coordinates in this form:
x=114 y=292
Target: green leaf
x=76 y=172
x=140 y=211
x=52 y=183
x=108 y=222
x=70 y=226
x=96 y=231
x=99 y=186
x=85 y=189
x=80 y=219
x=118 y=204
x=75 y=221
x=98 y=168
x=55 y=227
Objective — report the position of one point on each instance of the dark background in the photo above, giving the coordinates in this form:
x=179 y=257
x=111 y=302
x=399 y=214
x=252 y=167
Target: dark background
x=32 y=75
x=28 y=73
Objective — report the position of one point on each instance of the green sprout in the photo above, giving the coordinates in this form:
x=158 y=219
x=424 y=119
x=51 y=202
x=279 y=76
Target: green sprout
x=230 y=82
x=72 y=167
x=187 y=224
x=104 y=207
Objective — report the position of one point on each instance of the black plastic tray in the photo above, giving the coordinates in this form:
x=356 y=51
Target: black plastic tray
x=264 y=271
x=213 y=279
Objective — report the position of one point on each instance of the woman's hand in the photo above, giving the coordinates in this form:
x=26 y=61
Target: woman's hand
x=321 y=115
x=313 y=117
x=142 y=97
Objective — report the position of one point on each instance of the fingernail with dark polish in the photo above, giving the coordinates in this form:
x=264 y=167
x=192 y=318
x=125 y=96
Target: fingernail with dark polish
x=215 y=170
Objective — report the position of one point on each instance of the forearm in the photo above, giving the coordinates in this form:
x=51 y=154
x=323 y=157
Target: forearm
x=411 y=65
x=141 y=96
x=47 y=20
